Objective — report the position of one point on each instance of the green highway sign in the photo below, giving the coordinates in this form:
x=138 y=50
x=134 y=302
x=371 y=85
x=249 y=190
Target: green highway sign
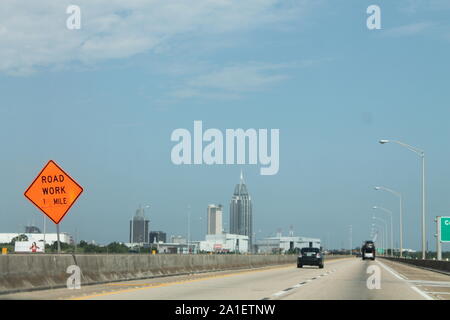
x=445 y=229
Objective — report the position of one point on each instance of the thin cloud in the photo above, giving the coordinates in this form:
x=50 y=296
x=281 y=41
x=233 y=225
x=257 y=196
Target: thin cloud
x=233 y=81
x=412 y=7
x=409 y=30
x=33 y=34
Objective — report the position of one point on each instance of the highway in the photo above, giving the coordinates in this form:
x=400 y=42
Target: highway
x=341 y=279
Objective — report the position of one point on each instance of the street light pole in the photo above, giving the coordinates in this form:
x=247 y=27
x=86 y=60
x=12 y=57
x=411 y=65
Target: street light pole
x=57 y=237
x=351 y=240
x=377 y=232
x=189 y=229
x=423 y=207
x=399 y=195
x=385 y=231
x=392 y=232
x=146 y=232
x=421 y=153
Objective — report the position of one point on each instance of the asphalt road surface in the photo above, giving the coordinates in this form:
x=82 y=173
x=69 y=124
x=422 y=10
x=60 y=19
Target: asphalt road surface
x=341 y=279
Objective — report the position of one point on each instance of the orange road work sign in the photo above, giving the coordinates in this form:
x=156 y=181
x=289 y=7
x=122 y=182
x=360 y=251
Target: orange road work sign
x=53 y=192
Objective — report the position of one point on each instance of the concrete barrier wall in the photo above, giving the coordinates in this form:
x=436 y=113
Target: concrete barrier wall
x=20 y=272
x=430 y=264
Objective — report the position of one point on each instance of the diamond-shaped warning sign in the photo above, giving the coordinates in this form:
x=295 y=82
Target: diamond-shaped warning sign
x=53 y=192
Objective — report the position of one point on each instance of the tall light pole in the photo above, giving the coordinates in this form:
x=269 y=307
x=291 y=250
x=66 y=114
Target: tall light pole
x=399 y=195
x=351 y=239
x=146 y=233
x=392 y=232
x=421 y=153
x=385 y=230
x=189 y=229
x=377 y=231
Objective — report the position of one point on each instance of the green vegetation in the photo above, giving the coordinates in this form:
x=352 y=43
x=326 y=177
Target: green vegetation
x=84 y=247
x=20 y=237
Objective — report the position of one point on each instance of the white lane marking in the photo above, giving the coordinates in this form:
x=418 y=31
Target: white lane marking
x=438 y=292
x=394 y=273
x=423 y=294
x=426 y=283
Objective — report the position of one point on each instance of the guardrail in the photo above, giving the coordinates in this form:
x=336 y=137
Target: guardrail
x=435 y=265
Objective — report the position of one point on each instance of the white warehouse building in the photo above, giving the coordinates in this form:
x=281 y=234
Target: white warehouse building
x=225 y=242
x=283 y=244
x=50 y=238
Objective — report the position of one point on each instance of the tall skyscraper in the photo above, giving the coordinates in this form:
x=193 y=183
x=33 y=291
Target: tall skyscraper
x=214 y=220
x=241 y=220
x=158 y=236
x=139 y=227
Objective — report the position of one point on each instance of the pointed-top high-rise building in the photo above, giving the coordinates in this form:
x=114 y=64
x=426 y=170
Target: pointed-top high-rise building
x=139 y=227
x=241 y=220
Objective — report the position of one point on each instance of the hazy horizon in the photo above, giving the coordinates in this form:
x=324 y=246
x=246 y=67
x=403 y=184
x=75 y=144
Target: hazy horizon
x=104 y=100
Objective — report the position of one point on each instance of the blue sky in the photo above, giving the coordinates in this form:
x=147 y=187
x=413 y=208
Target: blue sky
x=103 y=101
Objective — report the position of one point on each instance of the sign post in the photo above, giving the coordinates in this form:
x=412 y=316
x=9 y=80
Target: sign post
x=57 y=238
x=53 y=192
x=442 y=234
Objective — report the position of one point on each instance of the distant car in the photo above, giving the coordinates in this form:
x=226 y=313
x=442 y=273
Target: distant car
x=368 y=250
x=310 y=257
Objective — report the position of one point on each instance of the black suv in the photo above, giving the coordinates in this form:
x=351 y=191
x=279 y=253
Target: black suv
x=310 y=257
x=368 y=250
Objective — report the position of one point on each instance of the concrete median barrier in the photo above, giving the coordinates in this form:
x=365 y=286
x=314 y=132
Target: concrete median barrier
x=435 y=265
x=20 y=272
x=23 y=272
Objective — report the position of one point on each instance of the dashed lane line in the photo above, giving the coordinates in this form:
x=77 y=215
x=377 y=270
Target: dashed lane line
x=298 y=285
x=149 y=286
x=159 y=285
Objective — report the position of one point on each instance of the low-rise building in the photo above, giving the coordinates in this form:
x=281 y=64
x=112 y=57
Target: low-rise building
x=225 y=242
x=178 y=239
x=282 y=244
x=50 y=238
